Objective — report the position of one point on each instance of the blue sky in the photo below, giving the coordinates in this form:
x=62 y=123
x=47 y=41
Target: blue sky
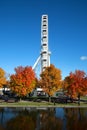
x=20 y=33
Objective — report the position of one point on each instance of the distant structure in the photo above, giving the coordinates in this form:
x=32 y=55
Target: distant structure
x=44 y=58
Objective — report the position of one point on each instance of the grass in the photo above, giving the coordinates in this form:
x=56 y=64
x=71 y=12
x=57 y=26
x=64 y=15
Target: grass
x=40 y=104
x=43 y=103
x=84 y=97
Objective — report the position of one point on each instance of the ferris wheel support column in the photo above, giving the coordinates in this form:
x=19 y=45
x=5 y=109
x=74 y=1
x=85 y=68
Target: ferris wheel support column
x=45 y=54
x=44 y=57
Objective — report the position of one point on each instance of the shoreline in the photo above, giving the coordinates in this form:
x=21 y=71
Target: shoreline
x=41 y=105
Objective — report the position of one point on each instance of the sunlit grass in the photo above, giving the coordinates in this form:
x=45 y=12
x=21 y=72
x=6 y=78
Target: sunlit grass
x=41 y=104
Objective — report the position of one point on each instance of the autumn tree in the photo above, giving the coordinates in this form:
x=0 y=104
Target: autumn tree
x=76 y=84
x=2 y=78
x=50 y=80
x=23 y=81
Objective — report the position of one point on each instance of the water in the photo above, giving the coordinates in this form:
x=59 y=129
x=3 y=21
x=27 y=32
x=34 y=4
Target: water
x=43 y=118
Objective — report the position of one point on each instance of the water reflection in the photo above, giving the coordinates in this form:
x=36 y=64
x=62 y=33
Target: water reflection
x=76 y=119
x=43 y=118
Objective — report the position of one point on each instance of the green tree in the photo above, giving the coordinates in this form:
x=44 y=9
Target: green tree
x=50 y=80
x=23 y=81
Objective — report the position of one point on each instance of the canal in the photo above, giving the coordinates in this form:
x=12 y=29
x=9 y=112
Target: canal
x=26 y=118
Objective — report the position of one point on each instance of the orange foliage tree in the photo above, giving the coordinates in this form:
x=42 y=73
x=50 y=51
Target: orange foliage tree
x=76 y=84
x=23 y=81
x=50 y=80
x=2 y=78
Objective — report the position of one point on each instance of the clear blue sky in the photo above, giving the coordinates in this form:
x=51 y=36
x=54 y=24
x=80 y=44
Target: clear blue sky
x=20 y=33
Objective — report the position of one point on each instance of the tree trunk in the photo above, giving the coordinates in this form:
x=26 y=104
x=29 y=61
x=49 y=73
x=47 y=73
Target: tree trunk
x=49 y=98
x=20 y=99
x=78 y=99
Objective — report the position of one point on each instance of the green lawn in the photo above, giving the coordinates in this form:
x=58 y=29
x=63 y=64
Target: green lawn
x=84 y=97
x=40 y=104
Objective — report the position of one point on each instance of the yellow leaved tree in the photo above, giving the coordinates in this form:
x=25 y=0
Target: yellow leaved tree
x=2 y=78
x=50 y=80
